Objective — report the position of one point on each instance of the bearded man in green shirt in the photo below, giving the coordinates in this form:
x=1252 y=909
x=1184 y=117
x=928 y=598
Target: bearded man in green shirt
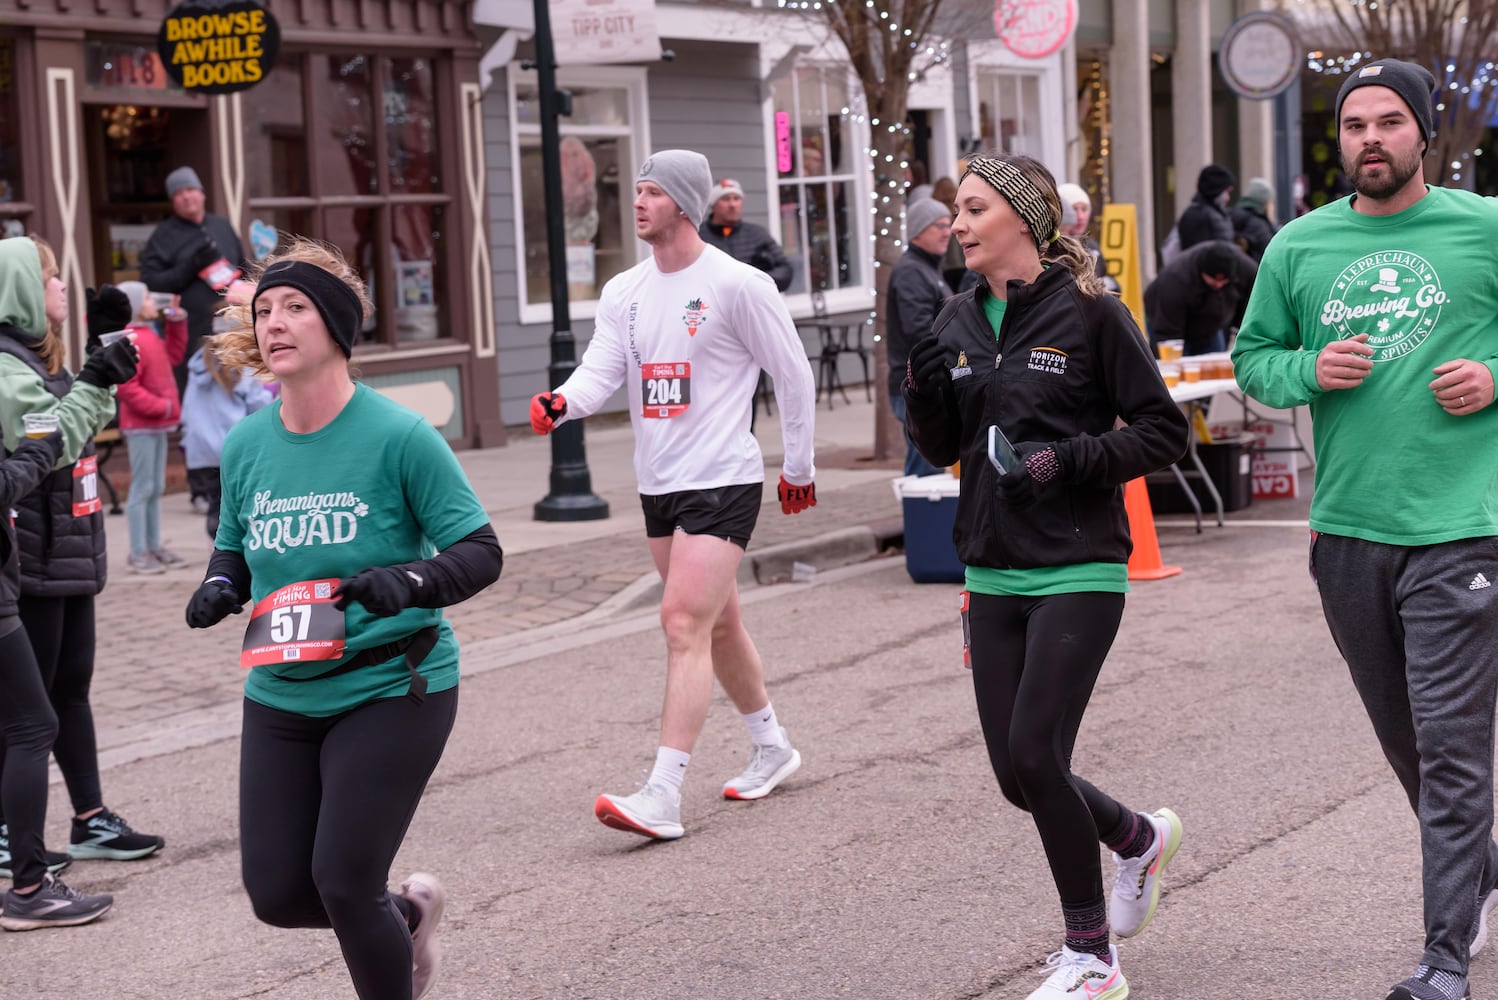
x=1380 y=312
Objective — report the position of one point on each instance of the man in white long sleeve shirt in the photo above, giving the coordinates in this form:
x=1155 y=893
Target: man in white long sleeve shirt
x=687 y=331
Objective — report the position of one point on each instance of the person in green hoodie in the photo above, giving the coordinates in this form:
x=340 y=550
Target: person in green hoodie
x=33 y=306
x=1378 y=310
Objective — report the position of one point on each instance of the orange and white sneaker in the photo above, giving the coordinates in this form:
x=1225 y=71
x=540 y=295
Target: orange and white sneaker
x=1136 y=886
x=653 y=811
x=1081 y=975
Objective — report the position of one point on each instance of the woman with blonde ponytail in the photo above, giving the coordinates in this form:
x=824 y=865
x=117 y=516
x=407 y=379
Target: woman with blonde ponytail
x=1038 y=355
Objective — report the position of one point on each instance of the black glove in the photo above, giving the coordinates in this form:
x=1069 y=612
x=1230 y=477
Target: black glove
x=110 y=365
x=926 y=369
x=213 y=601
x=51 y=444
x=1022 y=486
x=383 y=590
x=206 y=253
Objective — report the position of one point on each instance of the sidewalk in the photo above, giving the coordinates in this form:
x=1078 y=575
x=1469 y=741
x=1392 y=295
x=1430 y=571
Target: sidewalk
x=154 y=675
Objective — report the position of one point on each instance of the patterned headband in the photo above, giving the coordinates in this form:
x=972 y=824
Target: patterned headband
x=1023 y=196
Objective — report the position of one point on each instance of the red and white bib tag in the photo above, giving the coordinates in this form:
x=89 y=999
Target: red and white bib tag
x=294 y=624
x=86 y=486
x=665 y=389
x=220 y=274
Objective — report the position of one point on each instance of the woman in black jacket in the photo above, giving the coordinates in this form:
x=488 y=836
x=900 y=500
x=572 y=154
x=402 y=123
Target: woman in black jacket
x=1039 y=350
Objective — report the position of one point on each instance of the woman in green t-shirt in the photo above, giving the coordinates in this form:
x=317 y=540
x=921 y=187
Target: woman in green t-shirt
x=334 y=500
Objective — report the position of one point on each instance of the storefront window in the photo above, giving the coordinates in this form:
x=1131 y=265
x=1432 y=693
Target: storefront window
x=10 y=125
x=276 y=134
x=411 y=138
x=416 y=232
x=599 y=156
x=1009 y=112
x=818 y=189
x=386 y=217
x=346 y=151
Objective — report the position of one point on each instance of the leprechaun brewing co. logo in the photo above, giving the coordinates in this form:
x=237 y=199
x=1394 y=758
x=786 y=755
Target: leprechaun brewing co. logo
x=1393 y=296
x=218 y=46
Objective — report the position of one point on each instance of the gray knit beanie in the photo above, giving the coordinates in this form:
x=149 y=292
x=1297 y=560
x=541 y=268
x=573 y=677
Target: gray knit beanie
x=685 y=176
x=182 y=177
x=922 y=214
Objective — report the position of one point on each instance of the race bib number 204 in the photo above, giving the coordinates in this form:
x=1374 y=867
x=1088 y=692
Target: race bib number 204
x=293 y=624
x=665 y=389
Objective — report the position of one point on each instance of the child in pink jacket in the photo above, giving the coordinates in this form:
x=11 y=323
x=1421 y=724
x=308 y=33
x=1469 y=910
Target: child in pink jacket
x=150 y=409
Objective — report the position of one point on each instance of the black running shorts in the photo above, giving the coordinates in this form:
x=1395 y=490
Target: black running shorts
x=728 y=512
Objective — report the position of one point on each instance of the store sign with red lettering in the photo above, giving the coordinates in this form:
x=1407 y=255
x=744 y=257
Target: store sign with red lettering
x=1034 y=29
x=218 y=46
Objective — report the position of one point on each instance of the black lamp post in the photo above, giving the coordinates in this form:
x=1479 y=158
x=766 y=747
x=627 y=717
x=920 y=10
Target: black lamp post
x=571 y=497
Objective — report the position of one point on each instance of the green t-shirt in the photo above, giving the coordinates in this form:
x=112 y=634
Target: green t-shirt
x=1076 y=578
x=375 y=487
x=1391 y=465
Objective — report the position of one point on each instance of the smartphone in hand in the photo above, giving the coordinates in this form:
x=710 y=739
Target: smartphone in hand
x=1001 y=453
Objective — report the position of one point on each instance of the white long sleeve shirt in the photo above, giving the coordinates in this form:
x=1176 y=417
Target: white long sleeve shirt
x=689 y=346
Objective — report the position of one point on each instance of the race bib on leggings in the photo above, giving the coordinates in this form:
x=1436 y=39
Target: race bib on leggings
x=296 y=623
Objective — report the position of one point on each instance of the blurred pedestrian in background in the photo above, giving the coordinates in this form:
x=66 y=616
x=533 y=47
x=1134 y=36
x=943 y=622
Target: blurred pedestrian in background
x=149 y=411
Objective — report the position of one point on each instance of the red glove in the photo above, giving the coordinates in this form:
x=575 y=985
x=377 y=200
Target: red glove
x=546 y=409
x=794 y=499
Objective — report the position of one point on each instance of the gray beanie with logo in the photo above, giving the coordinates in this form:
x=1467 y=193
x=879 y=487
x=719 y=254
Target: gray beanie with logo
x=685 y=176
x=1414 y=85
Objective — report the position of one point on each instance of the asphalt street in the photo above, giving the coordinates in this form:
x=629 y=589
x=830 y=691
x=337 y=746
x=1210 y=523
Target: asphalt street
x=889 y=867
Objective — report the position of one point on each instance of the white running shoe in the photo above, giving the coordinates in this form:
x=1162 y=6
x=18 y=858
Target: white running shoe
x=425 y=894
x=1136 y=886
x=1480 y=930
x=1081 y=975
x=768 y=767
x=653 y=811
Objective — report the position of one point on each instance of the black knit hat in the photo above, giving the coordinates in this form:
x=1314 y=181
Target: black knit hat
x=1219 y=260
x=107 y=310
x=1414 y=85
x=1213 y=180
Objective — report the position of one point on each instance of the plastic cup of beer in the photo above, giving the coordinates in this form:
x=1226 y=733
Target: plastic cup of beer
x=1171 y=350
x=39 y=425
x=1171 y=374
x=105 y=339
x=1191 y=371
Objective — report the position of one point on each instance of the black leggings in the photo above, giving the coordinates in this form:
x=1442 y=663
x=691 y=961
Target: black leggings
x=27 y=728
x=323 y=806
x=61 y=632
x=1035 y=661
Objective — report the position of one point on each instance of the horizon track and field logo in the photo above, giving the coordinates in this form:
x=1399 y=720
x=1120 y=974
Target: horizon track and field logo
x=1051 y=360
x=1393 y=296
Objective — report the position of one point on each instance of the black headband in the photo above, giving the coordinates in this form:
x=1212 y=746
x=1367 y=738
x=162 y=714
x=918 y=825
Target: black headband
x=1022 y=195
x=337 y=303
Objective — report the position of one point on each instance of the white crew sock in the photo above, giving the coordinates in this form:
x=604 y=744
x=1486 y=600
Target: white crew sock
x=764 y=728
x=670 y=768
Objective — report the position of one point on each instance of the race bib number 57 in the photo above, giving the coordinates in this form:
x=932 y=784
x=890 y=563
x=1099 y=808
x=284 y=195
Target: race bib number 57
x=296 y=623
x=665 y=389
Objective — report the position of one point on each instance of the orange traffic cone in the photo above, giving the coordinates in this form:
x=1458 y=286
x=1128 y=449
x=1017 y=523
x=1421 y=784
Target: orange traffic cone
x=1145 y=562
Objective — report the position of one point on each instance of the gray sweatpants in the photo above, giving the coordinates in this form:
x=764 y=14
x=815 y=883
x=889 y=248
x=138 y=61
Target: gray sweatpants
x=1418 y=627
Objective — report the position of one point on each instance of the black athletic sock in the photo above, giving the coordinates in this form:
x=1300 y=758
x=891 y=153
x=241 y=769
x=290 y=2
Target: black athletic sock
x=1132 y=839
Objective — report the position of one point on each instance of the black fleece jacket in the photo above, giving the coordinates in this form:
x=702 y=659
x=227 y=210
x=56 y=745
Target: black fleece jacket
x=1066 y=369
